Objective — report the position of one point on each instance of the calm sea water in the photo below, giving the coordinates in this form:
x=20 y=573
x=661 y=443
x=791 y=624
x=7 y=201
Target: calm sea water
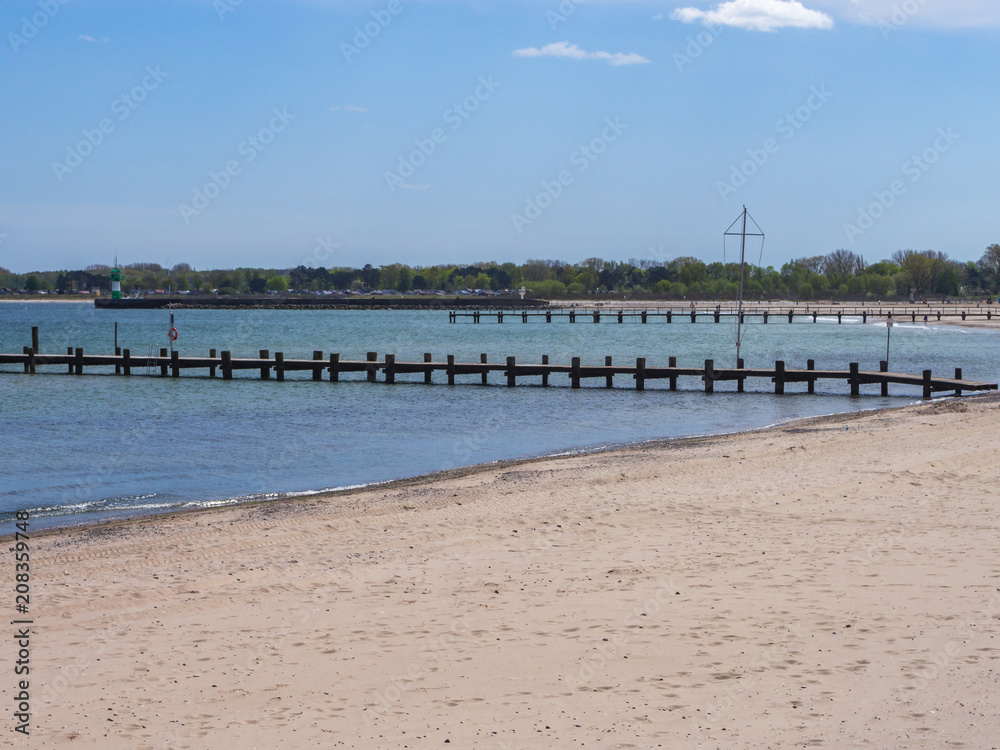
x=79 y=449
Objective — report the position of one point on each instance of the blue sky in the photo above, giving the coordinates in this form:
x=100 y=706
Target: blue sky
x=280 y=132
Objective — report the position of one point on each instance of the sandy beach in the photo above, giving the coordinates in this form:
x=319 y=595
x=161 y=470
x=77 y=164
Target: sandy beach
x=829 y=583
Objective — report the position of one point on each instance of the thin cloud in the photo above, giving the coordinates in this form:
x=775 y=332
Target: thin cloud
x=757 y=15
x=920 y=13
x=565 y=49
x=91 y=40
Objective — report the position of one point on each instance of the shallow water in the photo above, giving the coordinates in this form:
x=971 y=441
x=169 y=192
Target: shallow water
x=84 y=448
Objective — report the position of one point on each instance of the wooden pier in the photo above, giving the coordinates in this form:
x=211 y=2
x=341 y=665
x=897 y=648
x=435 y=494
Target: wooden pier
x=912 y=314
x=331 y=366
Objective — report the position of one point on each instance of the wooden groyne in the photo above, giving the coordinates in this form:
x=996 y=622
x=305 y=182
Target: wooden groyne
x=75 y=361
x=315 y=302
x=716 y=314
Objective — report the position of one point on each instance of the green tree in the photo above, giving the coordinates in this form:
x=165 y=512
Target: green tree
x=277 y=284
x=32 y=284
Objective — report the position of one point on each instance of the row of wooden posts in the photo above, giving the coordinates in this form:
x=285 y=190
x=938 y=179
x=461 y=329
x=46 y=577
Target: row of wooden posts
x=477 y=316
x=75 y=360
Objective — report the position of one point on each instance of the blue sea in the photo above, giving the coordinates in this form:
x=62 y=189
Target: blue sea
x=83 y=449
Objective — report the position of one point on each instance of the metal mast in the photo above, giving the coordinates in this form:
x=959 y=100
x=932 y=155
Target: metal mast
x=742 y=234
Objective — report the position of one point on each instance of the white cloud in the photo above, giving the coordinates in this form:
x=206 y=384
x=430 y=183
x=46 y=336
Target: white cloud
x=89 y=39
x=917 y=13
x=758 y=15
x=565 y=49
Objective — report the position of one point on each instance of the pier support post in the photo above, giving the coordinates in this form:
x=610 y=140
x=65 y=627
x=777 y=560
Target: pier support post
x=672 y=362
x=811 y=365
x=34 y=339
x=524 y=316
x=475 y=316
x=127 y=361
x=486 y=373
x=864 y=317
x=499 y=316
x=572 y=316
x=69 y=367
x=694 y=316
x=175 y=364
x=883 y=366
x=227 y=365
x=390 y=368
x=26 y=351
x=78 y=365
x=265 y=370
x=928 y=390
x=707 y=377
x=963 y=314
x=211 y=368
x=791 y=313
x=548 y=316
x=765 y=317
x=545 y=375
x=428 y=371
x=855 y=383
x=334 y=367
x=575 y=373
x=118 y=365
x=840 y=316
x=958 y=376
x=718 y=316
x=640 y=373
x=597 y=316
x=621 y=316
x=511 y=377
x=670 y=316
x=317 y=369
x=373 y=357
x=163 y=362
x=742 y=318
x=279 y=366
x=779 y=378
x=609 y=378
x=643 y=316
x=740 y=381
x=815 y=315
x=451 y=369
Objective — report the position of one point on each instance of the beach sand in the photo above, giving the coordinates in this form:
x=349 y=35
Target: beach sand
x=830 y=583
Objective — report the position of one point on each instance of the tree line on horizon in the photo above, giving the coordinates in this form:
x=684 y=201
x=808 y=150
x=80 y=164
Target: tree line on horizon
x=839 y=275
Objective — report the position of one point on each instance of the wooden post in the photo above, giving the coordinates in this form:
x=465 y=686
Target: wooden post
x=69 y=367
x=575 y=373
x=739 y=383
x=839 y=316
x=694 y=316
x=811 y=365
x=475 y=316
x=373 y=357
x=883 y=366
x=545 y=375
x=127 y=361
x=334 y=367
x=717 y=315
x=26 y=351
x=643 y=315
x=211 y=368
x=510 y=372
x=609 y=378
x=670 y=316
x=118 y=365
x=524 y=316
x=927 y=384
x=318 y=369
x=779 y=378
x=79 y=361
x=548 y=316
x=34 y=338
x=265 y=370
x=451 y=316
x=279 y=366
x=765 y=317
x=864 y=317
x=572 y=316
x=227 y=365
x=499 y=316
x=640 y=373
x=486 y=374
x=707 y=377
x=855 y=384
x=815 y=314
x=672 y=362
x=963 y=314
x=597 y=316
x=958 y=376
x=792 y=312
x=428 y=371
x=913 y=319
x=175 y=365
x=390 y=368
x=163 y=362
x=451 y=369
x=621 y=316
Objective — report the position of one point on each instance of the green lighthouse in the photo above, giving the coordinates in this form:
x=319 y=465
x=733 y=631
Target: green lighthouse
x=116 y=281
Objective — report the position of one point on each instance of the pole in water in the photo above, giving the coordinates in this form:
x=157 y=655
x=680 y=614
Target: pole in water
x=742 y=234
x=888 y=332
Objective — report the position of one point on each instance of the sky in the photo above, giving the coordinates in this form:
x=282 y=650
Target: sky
x=278 y=133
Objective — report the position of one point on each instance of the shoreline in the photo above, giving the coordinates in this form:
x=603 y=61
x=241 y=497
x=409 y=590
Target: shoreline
x=229 y=503
x=803 y=584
